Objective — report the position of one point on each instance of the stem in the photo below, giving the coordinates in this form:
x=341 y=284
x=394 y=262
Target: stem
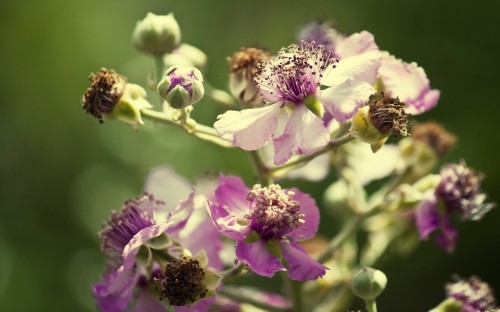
x=262 y=171
x=201 y=131
x=238 y=296
x=159 y=67
x=371 y=305
x=294 y=292
x=233 y=272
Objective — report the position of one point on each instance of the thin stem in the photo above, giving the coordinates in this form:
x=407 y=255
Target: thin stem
x=233 y=272
x=159 y=67
x=240 y=297
x=260 y=169
x=294 y=292
x=371 y=305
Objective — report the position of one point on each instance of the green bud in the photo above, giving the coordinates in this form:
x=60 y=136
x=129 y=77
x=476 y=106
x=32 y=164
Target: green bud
x=181 y=86
x=156 y=34
x=368 y=283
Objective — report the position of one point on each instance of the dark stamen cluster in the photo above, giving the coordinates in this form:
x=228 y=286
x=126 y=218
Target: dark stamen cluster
x=475 y=294
x=104 y=92
x=274 y=212
x=460 y=190
x=388 y=115
x=435 y=136
x=247 y=59
x=182 y=282
x=295 y=73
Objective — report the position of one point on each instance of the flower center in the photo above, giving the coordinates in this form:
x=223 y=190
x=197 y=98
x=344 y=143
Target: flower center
x=105 y=91
x=123 y=225
x=388 y=116
x=274 y=212
x=294 y=73
x=182 y=282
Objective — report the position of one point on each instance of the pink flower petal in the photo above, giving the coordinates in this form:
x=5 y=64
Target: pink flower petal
x=409 y=83
x=304 y=133
x=343 y=100
x=147 y=303
x=448 y=236
x=427 y=218
x=258 y=258
x=355 y=44
x=226 y=222
x=232 y=192
x=166 y=185
x=362 y=67
x=311 y=217
x=301 y=267
x=115 y=292
x=249 y=129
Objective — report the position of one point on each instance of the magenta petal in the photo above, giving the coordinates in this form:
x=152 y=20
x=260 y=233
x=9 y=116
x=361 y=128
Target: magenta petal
x=301 y=267
x=147 y=303
x=448 y=236
x=344 y=99
x=232 y=192
x=226 y=222
x=311 y=217
x=427 y=218
x=115 y=292
x=409 y=83
x=166 y=185
x=258 y=258
x=249 y=129
x=178 y=217
x=304 y=133
x=356 y=44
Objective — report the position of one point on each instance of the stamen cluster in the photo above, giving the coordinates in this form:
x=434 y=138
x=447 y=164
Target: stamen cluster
x=274 y=212
x=388 y=115
x=248 y=59
x=475 y=294
x=294 y=73
x=103 y=94
x=460 y=190
x=182 y=282
x=435 y=136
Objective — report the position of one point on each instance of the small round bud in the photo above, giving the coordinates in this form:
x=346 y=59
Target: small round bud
x=368 y=283
x=181 y=86
x=156 y=34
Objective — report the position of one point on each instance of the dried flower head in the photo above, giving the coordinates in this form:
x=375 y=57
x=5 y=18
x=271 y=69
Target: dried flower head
x=388 y=115
x=435 y=136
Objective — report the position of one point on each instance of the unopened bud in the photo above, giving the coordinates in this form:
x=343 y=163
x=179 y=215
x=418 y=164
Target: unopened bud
x=368 y=283
x=181 y=86
x=156 y=34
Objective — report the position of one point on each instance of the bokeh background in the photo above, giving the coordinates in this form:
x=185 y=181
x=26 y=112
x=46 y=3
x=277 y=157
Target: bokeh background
x=62 y=172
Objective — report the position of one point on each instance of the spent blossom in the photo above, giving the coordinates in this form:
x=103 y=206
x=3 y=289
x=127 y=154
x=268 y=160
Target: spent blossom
x=293 y=79
x=265 y=222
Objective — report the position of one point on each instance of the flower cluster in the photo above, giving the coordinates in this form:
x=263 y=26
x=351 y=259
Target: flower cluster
x=328 y=101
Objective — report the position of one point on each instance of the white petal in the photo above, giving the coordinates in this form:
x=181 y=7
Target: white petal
x=356 y=44
x=360 y=67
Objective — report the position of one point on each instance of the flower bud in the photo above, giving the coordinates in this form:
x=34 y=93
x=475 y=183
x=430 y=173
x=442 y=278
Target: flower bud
x=156 y=34
x=111 y=95
x=181 y=86
x=186 y=55
x=368 y=283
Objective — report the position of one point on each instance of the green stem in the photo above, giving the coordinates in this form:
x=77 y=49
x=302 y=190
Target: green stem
x=294 y=292
x=233 y=272
x=159 y=68
x=262 y=171
x=238 y=296
x=371 y=305
x=201 y=131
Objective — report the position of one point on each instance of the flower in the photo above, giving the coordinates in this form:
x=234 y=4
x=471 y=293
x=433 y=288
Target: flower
x=293 y=79
x=319 y=33
x=137 y=240
x=474 y=294
x=156 y=34
x=458 y=192
x=181 y=86
x=266 y=223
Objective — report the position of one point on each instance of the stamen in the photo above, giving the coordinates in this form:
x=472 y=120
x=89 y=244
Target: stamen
x=388 y=116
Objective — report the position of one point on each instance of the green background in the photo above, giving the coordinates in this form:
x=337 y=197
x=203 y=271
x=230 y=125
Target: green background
x=62 y=172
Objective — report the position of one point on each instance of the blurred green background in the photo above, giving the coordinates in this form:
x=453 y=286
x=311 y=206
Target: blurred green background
x=62 y=172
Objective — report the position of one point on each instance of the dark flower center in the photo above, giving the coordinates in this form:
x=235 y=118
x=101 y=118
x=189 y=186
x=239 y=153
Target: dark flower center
x=388 y=115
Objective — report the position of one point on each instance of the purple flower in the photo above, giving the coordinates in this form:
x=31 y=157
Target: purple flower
x=266 y=223
x=150 y=223
x=293 y=79
x=474 y=294
x=459 y=192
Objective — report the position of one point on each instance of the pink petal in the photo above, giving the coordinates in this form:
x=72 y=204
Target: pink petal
x=362 y=67
x=343 y=100
x=304 y=133
x=427 y=218
x=249 y=129
x=147 y=303
x=226 y=222
x=301 y=267
x=311 y=217
x=178 y=217
x=356 y=44
x=258 y=258
x=409 y=83
x=232 y=192
x=114 y=293
x=448 y=236
x=166 y=185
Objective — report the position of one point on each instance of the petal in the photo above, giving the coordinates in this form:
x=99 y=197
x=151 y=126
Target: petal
x=448 y=236
x=200 y=306
x=232 y=192
x=427 y=218
x=178 y=217
x=409 y=83
x=304 y=133
x=356 y=44
x=301 y=267
x=147 y=303
x=258 y=258
x=249 y=129
x=115 y=294
x=362 y=67
x=226 y=222
x=311 y=216
x=343 y=100
x=315 y=170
